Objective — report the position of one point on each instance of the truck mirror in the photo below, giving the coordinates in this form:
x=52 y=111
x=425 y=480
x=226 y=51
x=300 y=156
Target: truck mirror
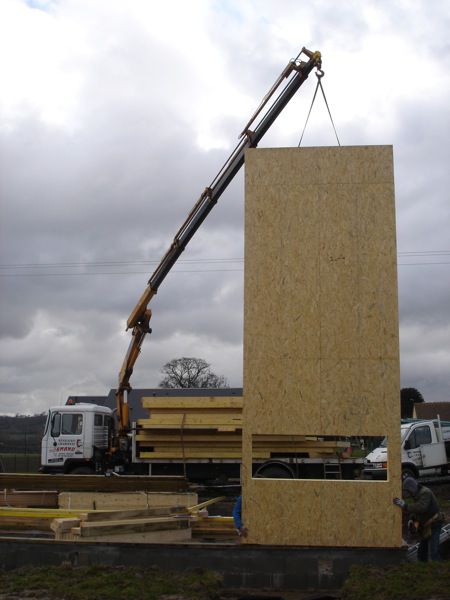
x=407 y=444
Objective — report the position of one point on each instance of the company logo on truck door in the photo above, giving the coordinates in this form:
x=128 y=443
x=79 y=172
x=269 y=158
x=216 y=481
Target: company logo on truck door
x=67 y=447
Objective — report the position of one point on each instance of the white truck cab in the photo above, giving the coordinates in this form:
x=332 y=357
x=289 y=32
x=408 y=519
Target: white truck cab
x=74 y=436
x=425 y=447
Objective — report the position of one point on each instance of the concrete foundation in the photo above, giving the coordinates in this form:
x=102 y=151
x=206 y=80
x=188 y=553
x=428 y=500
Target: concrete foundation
x=246 y=566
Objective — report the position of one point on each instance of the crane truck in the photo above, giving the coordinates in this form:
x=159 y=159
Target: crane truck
x=90 y=438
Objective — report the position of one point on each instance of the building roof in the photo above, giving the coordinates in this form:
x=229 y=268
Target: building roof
x=430 y=410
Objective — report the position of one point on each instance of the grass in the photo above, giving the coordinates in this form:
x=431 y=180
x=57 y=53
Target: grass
x=415 y=581
x=109 y=583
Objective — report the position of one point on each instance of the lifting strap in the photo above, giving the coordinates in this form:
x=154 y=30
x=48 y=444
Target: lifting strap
x=319 y=75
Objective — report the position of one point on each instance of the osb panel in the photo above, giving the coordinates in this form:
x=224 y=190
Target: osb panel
x=321 y=334
x=321 y=513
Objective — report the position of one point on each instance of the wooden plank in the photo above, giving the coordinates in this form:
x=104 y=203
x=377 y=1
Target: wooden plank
x=191 y=420
x=193 y=402
x=24 y=523
x=93 y=483
x=100 y=528
x=145 y=537
x=127 y=500
x=195 y=454
x=321 y=336
x=30 y=499
x=175 y=436
x=194 y=411
x=198 y=507
x=211 y=428
x=41 y=513
x=115 y=515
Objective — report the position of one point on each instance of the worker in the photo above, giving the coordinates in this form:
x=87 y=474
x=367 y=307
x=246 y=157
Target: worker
x=237 y=517
x=424 y=510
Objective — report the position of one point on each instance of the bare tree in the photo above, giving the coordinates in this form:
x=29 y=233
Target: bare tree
x=189 y=372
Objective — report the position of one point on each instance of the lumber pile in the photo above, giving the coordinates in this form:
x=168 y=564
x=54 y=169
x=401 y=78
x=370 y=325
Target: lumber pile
x=102 y=506
x=171 y=521
x=150 y=525
x=187 y=428
x=190 y=428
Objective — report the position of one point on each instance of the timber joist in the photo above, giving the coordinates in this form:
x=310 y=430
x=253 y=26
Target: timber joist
x=194 y=402
x=91 y=483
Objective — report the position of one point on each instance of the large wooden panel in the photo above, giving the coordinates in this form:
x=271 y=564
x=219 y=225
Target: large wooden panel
x=321 y=335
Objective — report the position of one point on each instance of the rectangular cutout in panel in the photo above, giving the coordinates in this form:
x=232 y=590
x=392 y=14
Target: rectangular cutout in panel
x=319 y=457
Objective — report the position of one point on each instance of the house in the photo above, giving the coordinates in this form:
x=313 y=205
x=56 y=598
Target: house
x=430 y=410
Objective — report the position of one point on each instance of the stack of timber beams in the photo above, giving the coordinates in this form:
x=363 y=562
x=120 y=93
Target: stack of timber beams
x=180 y=428
x=151 y=525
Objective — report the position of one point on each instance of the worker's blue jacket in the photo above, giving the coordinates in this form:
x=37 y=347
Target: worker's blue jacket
x=237 y=513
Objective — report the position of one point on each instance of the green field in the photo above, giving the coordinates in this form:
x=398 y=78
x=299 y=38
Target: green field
x=19 y=463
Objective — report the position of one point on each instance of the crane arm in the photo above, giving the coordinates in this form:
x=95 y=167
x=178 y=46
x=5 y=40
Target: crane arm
x=139 y=320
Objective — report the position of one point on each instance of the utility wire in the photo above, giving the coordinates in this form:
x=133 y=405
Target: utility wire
x=194 y=261
x=95 y=273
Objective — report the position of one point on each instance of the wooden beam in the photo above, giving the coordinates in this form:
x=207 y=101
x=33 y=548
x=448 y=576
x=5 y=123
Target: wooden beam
x=99 y=528
x=194 y=402
x=191 y=420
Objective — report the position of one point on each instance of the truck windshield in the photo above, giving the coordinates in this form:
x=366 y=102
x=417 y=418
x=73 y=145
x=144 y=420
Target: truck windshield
x=67 y=424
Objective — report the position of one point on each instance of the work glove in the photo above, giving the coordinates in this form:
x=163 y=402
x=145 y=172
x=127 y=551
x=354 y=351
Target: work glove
x=399 y=502
x=242 y=531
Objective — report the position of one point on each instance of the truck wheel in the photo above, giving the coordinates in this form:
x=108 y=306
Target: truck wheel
x=82 y=471
x=274 y=472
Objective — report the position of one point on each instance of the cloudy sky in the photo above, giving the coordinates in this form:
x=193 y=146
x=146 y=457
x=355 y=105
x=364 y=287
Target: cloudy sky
x=115 y=115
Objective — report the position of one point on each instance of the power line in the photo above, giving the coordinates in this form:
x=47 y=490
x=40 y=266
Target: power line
x=114 y=263
x=96 y=273
x=105 y=263
x=115 y=273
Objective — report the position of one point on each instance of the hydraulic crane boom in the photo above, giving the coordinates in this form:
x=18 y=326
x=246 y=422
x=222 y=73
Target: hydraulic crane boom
x=139 y=319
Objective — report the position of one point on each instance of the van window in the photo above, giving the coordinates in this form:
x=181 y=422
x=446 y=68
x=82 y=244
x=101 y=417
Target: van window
x=72 y=424
x=419 y=437
x=98 y=420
